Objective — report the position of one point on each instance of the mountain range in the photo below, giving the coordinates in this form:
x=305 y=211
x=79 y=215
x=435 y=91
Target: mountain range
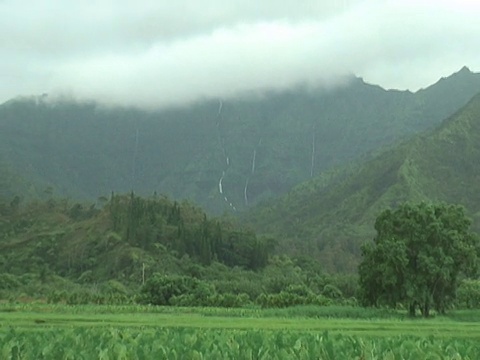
x=225 y=155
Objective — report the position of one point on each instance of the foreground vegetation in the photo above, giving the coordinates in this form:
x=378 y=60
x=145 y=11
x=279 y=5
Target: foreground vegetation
x=183 y=343
x=160 y=252
x=39 y=331
x=419 y=254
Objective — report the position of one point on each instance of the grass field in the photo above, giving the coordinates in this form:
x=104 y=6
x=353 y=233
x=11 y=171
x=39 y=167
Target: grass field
x=39 y=331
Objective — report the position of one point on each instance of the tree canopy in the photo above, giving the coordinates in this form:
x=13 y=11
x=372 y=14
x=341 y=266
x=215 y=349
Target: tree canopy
x=417 y=257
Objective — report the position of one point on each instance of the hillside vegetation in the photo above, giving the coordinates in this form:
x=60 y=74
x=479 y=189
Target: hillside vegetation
x=330 y=216
x=127 y=234
x=152 y=250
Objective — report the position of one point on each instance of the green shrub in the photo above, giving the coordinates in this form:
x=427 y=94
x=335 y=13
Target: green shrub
x=9 y=282
x=175 y=290
x=468 y=294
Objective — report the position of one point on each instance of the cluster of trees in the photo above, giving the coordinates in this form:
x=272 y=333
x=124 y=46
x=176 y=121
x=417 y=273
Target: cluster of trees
x=188 y=291
x=185 y=229
x=284 y=282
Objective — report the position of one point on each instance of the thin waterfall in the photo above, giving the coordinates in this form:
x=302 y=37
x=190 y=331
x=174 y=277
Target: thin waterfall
x=225 y=156
x=312 y=164
x=134 y=160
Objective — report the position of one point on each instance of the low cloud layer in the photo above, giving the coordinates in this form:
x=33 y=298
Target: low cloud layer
x=145 y=54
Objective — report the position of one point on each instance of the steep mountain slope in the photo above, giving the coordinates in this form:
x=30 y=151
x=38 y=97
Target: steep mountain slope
x=12 y=185
x=332 y=215
x=224 y=155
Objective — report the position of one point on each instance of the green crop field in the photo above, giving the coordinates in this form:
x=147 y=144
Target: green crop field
x=138 y=332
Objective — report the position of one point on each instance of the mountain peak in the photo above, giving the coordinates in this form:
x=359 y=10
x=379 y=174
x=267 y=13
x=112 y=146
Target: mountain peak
x=463 y=72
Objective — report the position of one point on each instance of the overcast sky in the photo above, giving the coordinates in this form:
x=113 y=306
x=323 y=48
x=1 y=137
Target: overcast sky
x=168 y=52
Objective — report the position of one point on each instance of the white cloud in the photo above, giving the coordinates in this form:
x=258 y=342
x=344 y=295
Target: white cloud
x=149 y=54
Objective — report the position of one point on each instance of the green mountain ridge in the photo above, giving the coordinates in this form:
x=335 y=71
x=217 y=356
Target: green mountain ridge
x=224 y=155
x=331 y=216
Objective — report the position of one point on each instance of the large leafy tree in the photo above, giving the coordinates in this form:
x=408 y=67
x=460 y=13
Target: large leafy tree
x=417 y=257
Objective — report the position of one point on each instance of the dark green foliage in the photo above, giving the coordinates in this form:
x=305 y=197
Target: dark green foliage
x=468 y=294
x=243 y=249
x=146 y=222
x=187 y=291
x=229 y=300
x=13 y=189
x=8 y=282
x=332 y=292
x=417 y=257
x=291 y=298
x=166 y=290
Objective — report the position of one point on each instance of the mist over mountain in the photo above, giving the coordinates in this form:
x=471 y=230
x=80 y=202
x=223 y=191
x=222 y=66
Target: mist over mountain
x=225 y=155
x=152 y=54
x=330 y=216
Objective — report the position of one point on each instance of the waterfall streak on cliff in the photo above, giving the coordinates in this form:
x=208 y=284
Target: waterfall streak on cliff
x=313 y=155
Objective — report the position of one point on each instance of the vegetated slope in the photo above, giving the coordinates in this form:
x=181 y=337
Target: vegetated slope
x=330 y=217
x=224 y=155
x=12 y=185
x=61 y=251
x=128 y=236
